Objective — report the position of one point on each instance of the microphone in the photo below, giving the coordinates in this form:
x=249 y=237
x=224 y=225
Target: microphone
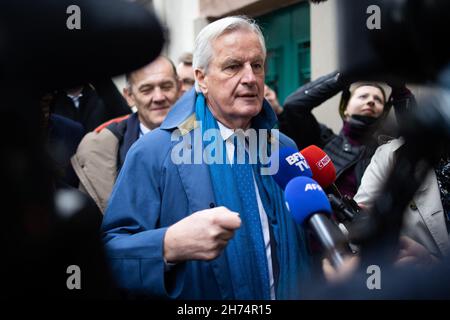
x=291 y=164
x=309 y=206
x=324 y=172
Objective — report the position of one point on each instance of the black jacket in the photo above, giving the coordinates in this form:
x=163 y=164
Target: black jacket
x=298 y=122
x=96 y=106
x=127 y=132
x=64 y=135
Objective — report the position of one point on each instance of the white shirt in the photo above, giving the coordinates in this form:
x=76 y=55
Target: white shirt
x=75 y=99
x=226 y=133
x=143 y=129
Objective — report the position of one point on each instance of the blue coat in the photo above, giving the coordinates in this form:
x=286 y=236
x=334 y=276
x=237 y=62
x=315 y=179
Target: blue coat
x=151 y=194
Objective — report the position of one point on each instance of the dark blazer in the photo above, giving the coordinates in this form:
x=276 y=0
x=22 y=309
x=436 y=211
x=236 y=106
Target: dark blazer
x=96 y=106
x=64 y=136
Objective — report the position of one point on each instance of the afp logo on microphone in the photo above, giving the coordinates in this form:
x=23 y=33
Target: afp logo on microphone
x=312 y=187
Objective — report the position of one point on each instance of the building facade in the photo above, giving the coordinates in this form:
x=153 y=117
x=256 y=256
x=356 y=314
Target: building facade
x=300 y=38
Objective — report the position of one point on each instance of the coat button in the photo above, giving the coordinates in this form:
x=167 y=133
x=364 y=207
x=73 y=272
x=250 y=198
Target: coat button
x=347 y=147
x=413 y=206
x=212 y=205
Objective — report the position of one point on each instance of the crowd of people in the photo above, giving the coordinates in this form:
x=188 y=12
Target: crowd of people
x=222 y=230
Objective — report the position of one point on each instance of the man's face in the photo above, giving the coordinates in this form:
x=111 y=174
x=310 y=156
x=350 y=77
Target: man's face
x=365 y=101
x=234 y=82
x=154 y=89
x=186 y=76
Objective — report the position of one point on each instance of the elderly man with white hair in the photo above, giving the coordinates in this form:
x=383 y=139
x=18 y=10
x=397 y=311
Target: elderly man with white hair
x=210 y=229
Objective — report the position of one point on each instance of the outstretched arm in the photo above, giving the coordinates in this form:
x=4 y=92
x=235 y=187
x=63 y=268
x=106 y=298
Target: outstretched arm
x=297 y=121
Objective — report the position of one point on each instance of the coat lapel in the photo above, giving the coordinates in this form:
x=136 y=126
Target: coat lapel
x=196 y=182
x=196 y=179
x=430 y=208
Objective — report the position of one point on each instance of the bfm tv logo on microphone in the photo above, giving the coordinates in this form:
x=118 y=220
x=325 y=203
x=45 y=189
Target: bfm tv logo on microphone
x=298 y=160
x=322 y=163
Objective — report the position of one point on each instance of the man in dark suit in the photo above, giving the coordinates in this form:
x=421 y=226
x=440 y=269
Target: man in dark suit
x=90 y=105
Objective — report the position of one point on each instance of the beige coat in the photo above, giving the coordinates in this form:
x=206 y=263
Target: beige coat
x=95 y=164
x=424 y=219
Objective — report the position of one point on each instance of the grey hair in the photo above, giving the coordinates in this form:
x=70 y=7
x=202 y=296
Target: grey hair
x=128 y=75
x=203 y=49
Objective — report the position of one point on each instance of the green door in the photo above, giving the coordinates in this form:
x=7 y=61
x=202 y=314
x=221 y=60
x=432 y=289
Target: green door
x=287 y=36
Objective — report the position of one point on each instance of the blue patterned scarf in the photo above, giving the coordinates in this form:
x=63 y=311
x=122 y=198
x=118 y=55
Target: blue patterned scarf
x=246 y=254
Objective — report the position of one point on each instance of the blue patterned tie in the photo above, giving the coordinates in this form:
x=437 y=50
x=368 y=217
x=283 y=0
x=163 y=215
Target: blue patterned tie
x=243 y=173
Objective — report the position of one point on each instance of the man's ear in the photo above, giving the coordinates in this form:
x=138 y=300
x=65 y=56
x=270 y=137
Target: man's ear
x=179 y=85
x=129 y=96
x=202 y=81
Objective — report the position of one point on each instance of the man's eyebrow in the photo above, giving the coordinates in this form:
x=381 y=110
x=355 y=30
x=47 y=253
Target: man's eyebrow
x=160 y=83
x=145 y=86
x=231 y=60
x=164 y=82
x=258 y=59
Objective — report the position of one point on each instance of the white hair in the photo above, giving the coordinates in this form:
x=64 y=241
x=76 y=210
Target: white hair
x=203 y=49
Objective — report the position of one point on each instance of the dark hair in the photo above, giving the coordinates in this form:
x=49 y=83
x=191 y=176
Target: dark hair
x=349 y=90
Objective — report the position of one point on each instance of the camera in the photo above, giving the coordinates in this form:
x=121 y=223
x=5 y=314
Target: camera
x=393 y=40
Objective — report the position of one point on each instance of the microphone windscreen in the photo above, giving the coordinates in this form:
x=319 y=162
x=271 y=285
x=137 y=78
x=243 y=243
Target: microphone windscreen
x=323 y=170
x=291 y=164
x=304 y=197
x=58 y=44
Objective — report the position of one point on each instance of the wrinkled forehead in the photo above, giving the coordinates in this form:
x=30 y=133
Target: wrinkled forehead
x=237 y=43
x=157 y=71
